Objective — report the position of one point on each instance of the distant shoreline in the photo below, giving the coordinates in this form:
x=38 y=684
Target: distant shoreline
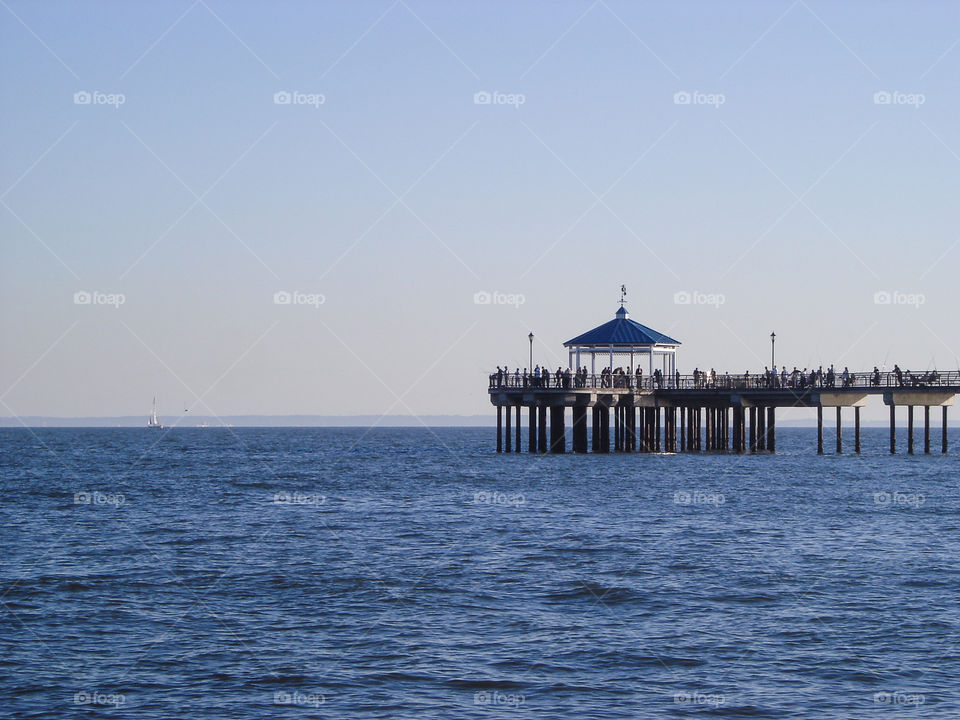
x=201 y=422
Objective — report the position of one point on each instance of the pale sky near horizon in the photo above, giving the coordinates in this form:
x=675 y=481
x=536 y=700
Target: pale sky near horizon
x=808 y=187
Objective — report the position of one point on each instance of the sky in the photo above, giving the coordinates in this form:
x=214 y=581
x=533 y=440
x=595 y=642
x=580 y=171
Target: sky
x=363 y=207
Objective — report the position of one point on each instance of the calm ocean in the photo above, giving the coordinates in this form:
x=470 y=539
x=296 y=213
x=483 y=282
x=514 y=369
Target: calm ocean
x=398 y=573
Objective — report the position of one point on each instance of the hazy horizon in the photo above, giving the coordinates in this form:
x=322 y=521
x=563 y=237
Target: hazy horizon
x=363 y=208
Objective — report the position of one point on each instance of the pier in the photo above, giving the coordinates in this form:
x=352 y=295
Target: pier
x=655 y=409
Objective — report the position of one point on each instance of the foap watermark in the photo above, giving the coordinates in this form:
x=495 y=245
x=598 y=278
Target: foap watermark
x=895 y=97
x=86 y=97
x=491 y=497
x=685 y=97
x=85 y=497
x=482 y=97
x=300 y=699
x=900 y=499
x=495 y=698
x=694 y=697
x=299 y=498
x=695 y=297
x=899 y=697
x=897 y=297
x=99 y=698
x=95 y=297
x=295 y=97
x=698 y=497
x=295 y=297
x=483 y=297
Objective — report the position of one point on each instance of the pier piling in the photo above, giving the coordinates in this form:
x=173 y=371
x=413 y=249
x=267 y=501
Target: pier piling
x=558 y=439
x=910 y=429
x=856 y=429
x=943 y=431
x=819 y=429
x=926 y=429
x=532 y=437
x=893 y=429
x=839 y=432
x=542 y=428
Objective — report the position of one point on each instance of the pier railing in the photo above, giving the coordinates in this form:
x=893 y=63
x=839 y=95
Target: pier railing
x=715 y=381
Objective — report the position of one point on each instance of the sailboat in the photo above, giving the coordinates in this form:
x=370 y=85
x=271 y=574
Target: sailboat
x=153 y=421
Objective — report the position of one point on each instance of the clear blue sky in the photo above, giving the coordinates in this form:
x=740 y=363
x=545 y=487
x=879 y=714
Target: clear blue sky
x=797 y=198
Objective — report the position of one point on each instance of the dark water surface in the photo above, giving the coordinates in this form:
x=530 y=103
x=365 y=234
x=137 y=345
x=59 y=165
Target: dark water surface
x=397 y=573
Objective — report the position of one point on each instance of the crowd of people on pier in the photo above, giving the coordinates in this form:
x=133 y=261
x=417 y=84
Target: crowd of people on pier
x=797 y=379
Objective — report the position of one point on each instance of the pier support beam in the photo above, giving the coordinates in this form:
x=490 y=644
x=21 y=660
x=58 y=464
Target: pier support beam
x=532 y=436
x=893 y=429
x=753 y=429
x=819 y=429
x=499 y=429
x=518 y=428
x=926 y=429
x=632 y=428
x=656 y=413
x=542 y=428
x=509 y=435
x=761 y=429
x=558 y=440
x=856 y=429
x=910 y=429
x=772 y=429
x=579 y=428
x=596 y=429
x=943 y=431
x=709 y=428
x=726 y=428
x=683 y=429
x=617 y=437
x=604 y=429
x=697 y=428
x=839 y=433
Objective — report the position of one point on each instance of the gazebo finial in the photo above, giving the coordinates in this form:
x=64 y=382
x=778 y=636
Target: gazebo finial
x=623 y=294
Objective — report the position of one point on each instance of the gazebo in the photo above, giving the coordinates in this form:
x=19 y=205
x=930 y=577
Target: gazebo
x=626 y=338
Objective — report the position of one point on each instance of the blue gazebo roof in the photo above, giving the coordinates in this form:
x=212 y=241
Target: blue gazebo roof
x=622 y=331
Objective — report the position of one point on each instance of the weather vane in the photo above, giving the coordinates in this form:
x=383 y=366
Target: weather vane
x=623 y=294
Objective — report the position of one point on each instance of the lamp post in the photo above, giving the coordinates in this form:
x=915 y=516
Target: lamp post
x=773 y=362
x=530 y=338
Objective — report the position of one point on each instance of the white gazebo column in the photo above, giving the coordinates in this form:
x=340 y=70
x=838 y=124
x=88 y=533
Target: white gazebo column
x=611 y=359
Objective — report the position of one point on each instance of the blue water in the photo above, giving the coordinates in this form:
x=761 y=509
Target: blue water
x=398 y=573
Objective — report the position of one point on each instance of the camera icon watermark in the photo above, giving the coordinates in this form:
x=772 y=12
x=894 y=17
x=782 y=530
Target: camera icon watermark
x=695 y=297
x=490 y=497
x=95 y=97
x=483 y=97
x=895 y=97
x=495 y=698
x=698 y=497
x=897 y=297
x=484 y=297
x=298 y=498
x=695 y=97
x=898 y=697
x=295 y=297
x=694 y=697
x=300 y=699
x=95 y=297
x=295 y=97
x=899 y=499
x=85 y=497
x=98 y=698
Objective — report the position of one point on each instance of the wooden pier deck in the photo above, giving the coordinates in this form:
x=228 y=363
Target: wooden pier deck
x=702 y=413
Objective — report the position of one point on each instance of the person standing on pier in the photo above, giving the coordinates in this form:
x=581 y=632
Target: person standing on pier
x=898 y=373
